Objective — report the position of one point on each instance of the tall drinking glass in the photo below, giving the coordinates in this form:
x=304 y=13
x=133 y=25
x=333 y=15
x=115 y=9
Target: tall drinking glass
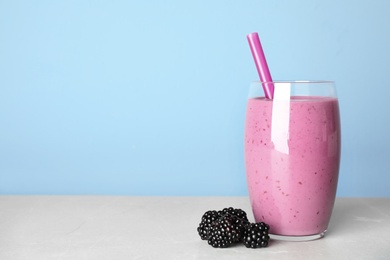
x=292 y=157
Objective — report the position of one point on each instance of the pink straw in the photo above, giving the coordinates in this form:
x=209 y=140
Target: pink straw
x=261 y=64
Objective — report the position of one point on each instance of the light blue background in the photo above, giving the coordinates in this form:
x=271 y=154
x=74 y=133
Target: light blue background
x=148 y=97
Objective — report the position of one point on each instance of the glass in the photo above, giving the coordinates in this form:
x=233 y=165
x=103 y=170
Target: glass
x=292 y=157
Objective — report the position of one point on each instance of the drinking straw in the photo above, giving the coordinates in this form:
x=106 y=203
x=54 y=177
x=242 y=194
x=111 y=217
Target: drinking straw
x=261 y=64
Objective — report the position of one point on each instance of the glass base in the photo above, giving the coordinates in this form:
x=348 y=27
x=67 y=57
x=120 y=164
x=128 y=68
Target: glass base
x=298 y=238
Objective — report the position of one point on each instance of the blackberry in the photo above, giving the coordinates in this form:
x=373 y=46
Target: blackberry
x=240 y=219
x=235 y=212
x=207 y=219
x=256 y=235
x=223 y=232
x=240 y=225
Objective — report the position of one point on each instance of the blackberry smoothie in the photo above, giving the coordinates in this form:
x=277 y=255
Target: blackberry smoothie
x=292 y=157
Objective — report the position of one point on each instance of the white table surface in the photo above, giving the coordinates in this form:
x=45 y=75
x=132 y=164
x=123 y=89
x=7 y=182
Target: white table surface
x=120 y=227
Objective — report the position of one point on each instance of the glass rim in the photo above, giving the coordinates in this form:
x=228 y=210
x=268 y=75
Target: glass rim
x=296 y=81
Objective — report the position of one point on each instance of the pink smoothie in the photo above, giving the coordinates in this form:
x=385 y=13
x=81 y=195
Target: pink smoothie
x=292 y=157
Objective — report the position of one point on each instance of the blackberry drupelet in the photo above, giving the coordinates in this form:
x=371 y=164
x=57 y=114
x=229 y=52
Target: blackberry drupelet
x=223 y=232
x=207 y=219
x=256 y=235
